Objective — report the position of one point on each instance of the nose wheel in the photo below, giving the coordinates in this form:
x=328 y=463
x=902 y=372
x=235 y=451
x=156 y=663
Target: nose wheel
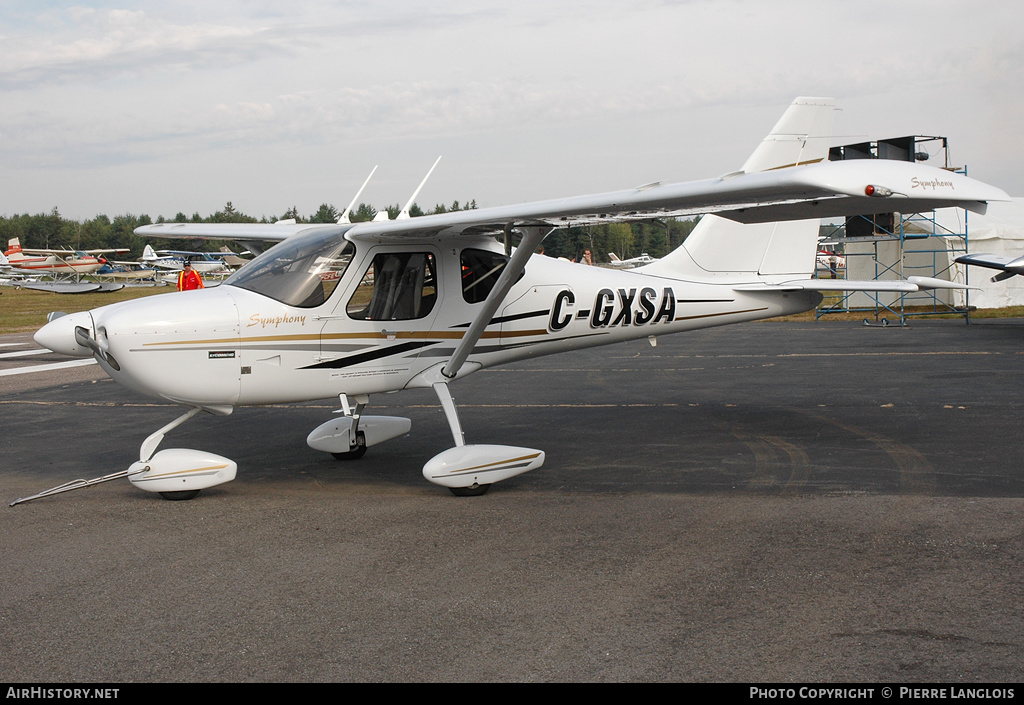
x=180 y=495
x=474 y=491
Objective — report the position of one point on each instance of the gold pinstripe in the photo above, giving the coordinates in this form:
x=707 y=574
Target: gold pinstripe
x=406 y=335
x=176 y=473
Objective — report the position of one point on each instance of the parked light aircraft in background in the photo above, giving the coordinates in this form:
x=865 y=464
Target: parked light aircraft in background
x=232 y=260
x=631 y=262
x=1009 y=266
x=174 y=260
x=830 y=259
x=48 y=261
x=351 y=310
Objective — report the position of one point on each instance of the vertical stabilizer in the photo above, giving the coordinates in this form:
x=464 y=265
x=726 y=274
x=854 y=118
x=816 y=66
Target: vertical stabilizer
x=801 y=136
x=719 y=247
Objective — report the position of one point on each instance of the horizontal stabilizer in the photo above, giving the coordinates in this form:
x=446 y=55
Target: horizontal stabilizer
x=908 y=285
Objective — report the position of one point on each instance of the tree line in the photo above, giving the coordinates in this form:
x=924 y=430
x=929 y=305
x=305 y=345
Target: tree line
x=53 y=231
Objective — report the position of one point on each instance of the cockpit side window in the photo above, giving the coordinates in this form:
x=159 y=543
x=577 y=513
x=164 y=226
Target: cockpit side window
x=398 y=286
x=480 y=272
x=302 y=271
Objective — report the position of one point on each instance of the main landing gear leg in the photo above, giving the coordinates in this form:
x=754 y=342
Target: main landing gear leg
x=452 y=414
x=359 y=449
x=469 y=470
x=349 y=434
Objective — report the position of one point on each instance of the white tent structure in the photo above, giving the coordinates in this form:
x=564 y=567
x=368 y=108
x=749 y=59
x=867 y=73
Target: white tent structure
x=999 y=232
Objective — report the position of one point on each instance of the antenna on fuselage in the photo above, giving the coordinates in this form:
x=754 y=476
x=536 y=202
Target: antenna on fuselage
x=404 y=213
x=344 y=216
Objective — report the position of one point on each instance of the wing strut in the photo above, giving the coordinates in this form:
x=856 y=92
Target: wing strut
x=532 y=237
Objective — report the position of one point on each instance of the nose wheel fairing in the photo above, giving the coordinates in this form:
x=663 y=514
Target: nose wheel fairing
x=175 y=473
x=175 y=470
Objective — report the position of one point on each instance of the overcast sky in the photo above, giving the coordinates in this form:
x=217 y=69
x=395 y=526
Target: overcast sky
x=180 y=105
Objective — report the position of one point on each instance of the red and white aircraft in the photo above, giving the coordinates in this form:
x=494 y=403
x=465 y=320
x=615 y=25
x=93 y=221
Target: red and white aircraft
x=46 y=261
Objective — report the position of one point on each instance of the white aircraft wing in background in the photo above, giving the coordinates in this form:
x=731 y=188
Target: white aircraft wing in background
x=1008 y=266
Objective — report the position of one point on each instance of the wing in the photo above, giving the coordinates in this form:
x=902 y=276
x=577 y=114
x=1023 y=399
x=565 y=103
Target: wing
x=61 y=253
x=796 y=193
x=822 y=190
x=256 y=232
x=1009 y=266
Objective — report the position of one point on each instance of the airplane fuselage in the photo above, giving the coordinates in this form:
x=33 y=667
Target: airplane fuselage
x=231 y=346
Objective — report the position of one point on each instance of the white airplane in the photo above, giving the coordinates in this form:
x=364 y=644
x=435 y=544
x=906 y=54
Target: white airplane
x=46 y=261
x=631 y=262
x=174 y=260
x=1009 y=266
x=351 y=310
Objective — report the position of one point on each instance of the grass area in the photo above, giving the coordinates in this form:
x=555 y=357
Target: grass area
x=24 y=310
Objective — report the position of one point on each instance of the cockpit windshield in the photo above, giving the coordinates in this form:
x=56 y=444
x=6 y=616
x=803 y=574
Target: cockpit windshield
x=300 y=271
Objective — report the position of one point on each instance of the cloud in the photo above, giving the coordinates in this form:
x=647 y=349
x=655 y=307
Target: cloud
x=85 y=45
x=534 y=98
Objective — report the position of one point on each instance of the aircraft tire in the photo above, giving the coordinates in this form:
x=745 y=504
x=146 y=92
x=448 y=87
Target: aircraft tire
x=179 y=496
x=359 y=452
x=351 y=455
x=356 y=453
x=474 y=491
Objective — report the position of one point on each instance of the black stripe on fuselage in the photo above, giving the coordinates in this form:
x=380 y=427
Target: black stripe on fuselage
x=508 y=319
x=370 y=356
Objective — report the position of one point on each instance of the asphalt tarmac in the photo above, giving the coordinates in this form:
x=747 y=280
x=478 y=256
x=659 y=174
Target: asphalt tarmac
x=771 y=502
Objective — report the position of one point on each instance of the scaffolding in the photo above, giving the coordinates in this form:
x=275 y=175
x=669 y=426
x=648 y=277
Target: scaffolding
x=897 y=245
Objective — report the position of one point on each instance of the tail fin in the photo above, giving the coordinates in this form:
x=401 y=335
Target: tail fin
x=719 y=247
x=801 y=136
x=148 y=254
x=13 y=246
